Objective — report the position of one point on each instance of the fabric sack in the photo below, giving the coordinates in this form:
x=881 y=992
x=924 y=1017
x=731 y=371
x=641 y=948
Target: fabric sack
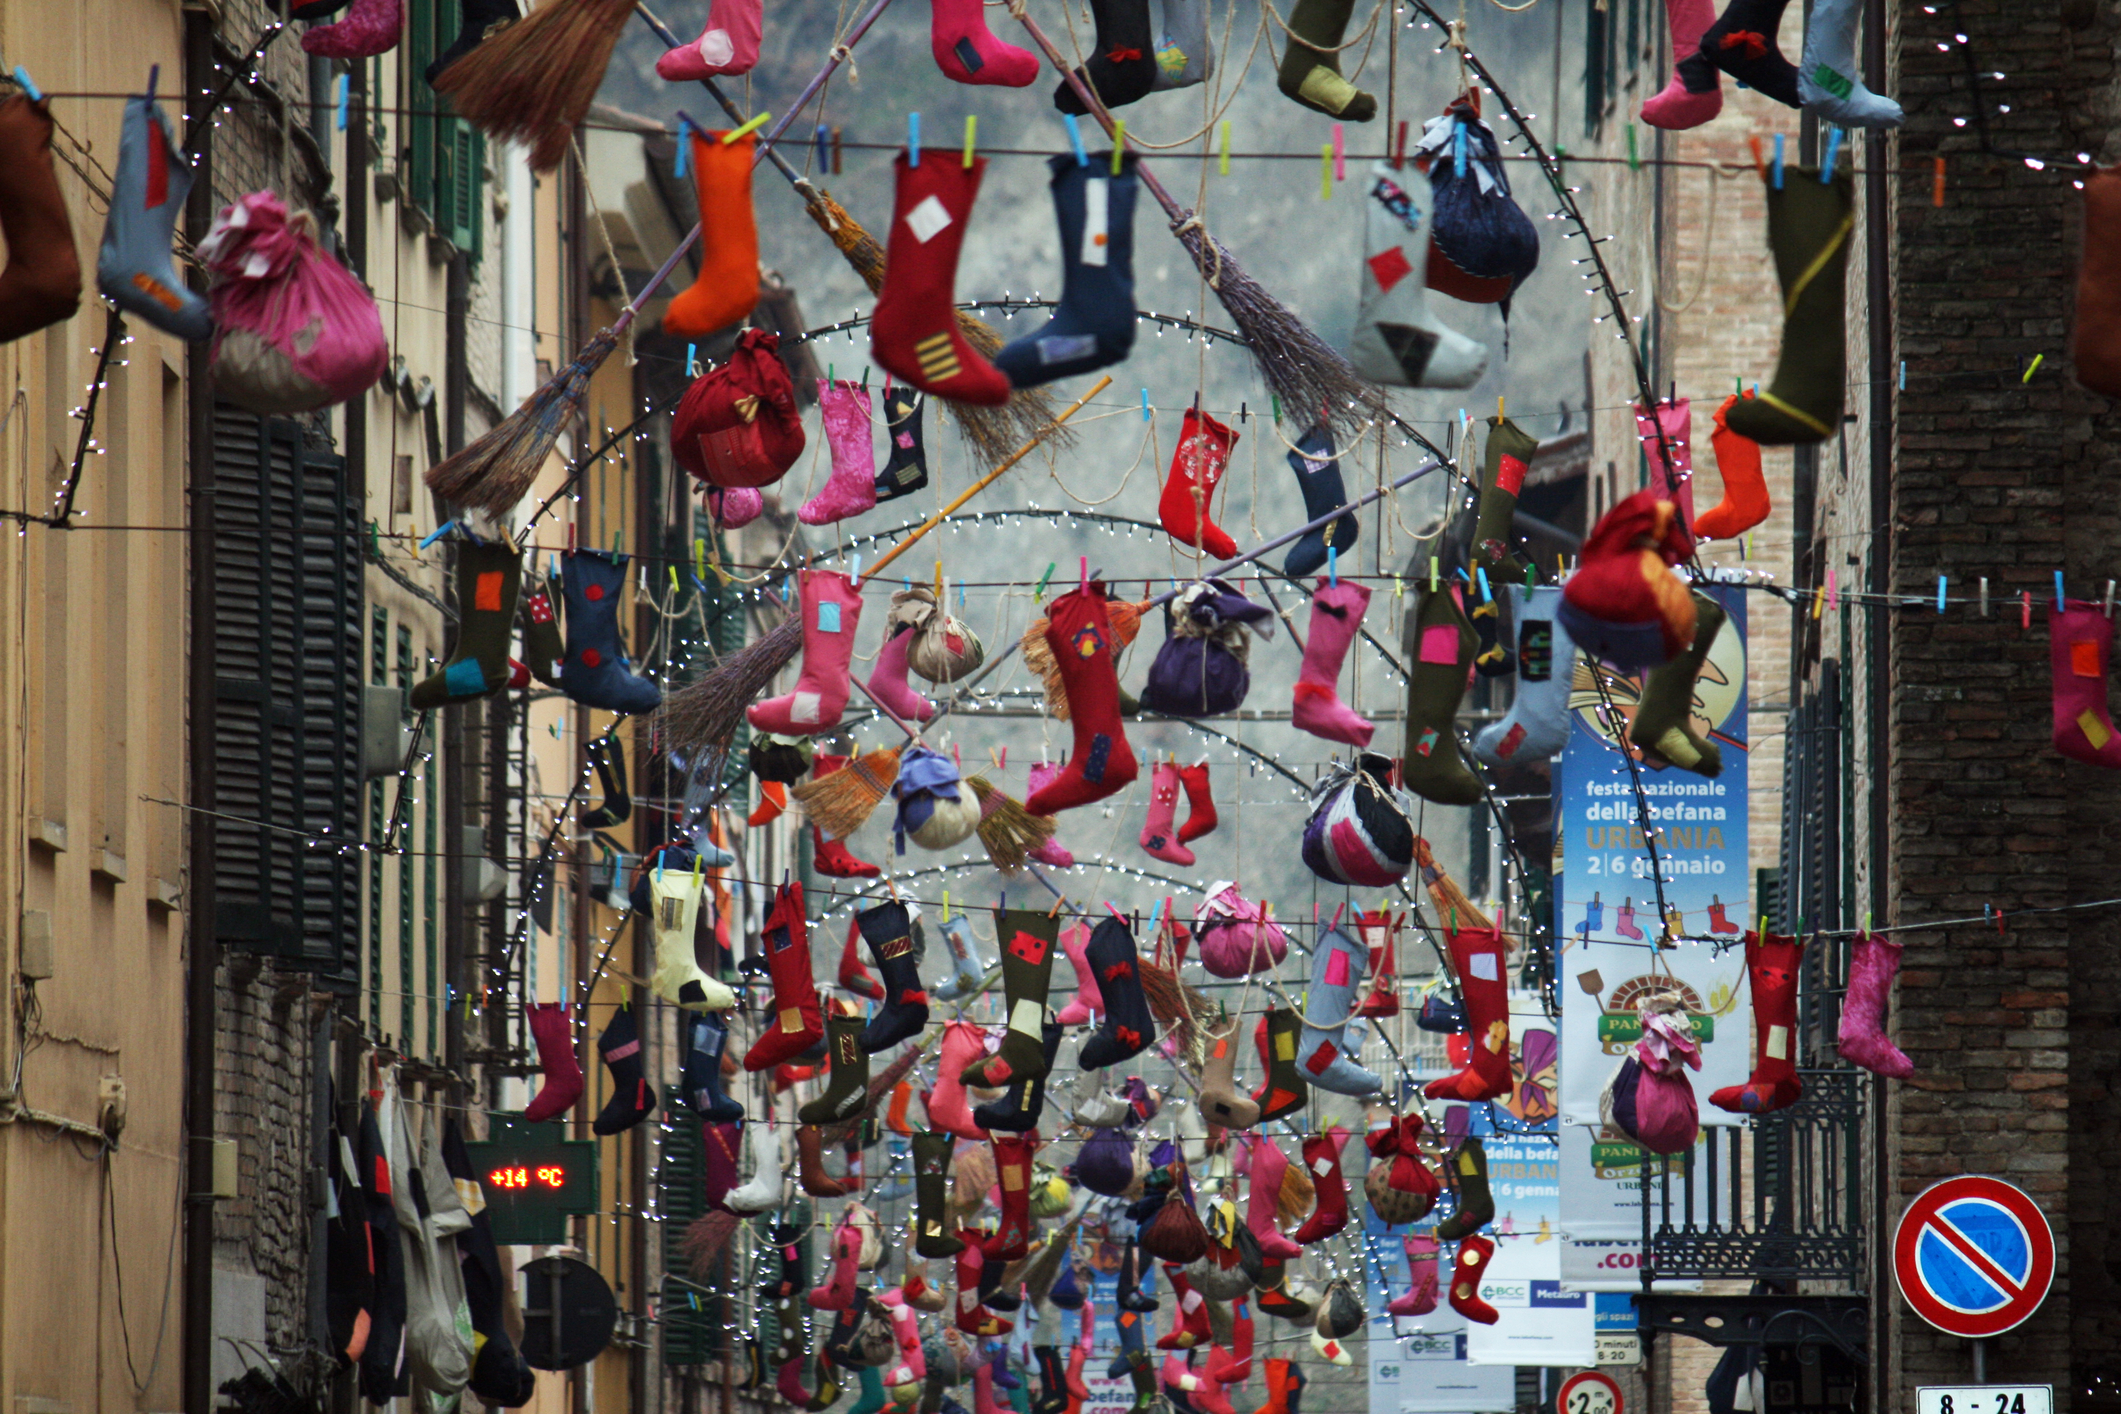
x=738 y=425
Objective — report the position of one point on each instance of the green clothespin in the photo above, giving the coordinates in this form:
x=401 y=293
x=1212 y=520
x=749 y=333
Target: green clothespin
x=1038 y=595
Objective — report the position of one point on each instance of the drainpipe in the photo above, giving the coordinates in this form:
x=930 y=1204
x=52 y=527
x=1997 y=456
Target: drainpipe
x=460 y=762
x=199 y=903
x=1878 y=250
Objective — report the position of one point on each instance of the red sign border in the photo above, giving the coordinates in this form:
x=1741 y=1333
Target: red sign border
x=1561 y=1396
x=1926 y=1205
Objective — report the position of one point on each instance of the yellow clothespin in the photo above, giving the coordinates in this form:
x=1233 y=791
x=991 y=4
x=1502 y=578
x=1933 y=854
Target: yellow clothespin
x=946 y=905
x=1432 y=574
x=1498 y=407
x=752 y=125
x=971 y=126
x=938 y=583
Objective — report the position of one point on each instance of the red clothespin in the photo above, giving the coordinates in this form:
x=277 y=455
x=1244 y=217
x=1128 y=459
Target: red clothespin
x=2025 y=609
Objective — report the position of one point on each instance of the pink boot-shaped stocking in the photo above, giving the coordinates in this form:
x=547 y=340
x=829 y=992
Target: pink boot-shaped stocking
x=1872 y=963
x=1051 y=852
x=851 y=489
x=887 y=680
x=1677 y=421
x=832 y=607
x=729 y=44
x=948 y=1106
x=1269 y=1163
x=912 y=1366
x=2080 y=644
x=1695 y=93
x=370 y=28
x=1074 y=939
x=968 y=52
x=1420 y=1297
x=1336 y=617
x=563 y=1073
x=837 y=1292
x=1160 y=835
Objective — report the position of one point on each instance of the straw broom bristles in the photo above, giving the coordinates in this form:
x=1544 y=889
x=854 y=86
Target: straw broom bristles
x=496 y=471
x=705 y=715
x=993 y=432
x=706 y=1245
x=839 y=804
x=1008 y=831
x=533 y=82
x=1453 y=909
x=1126 y=620
x=1174 y=1002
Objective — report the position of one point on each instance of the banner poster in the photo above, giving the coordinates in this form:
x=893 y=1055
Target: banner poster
x=1601 y=1213
x=1434 y=1364
x=1606 y=901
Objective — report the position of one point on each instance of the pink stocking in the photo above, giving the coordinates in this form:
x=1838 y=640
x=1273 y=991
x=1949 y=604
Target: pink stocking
x=370 y=28
x=966 y=51
x=887 y=680
x=948 y=1107
x=851 y=489
x=837 y=1292
x=1268 y=1166
x=1872 y=963
x=1420 y=1297
x=1695 y=93
x=729 y=44
x=1074 y=940
x=1051 y=852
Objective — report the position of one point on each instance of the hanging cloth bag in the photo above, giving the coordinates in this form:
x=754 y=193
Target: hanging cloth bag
x=1201 y=669
x=1236 y=937
x=1648 y=1099
x=1481 y=244
x=738 y=425
x=294 y=331
x=1360 y=832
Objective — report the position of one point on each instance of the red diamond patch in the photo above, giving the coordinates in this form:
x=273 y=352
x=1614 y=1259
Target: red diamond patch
x=1389 y=267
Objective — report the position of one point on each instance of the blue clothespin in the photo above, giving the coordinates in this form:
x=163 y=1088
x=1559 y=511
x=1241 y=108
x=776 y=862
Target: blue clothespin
x=1833 y=151
x=824 y=158
x=1940 y=593
x=441 y=530
x=1903 y=375
x=36 y=94
x=1333 y=566
x=154 y=79
x=692 y=361
x=1075 y=139
x=1778 y=162
x=1481 y=573
x=1458 y=148
x=2058 y=591
x=684 y=144
x=913 y=139
x=345 y=94
x=1145 y=405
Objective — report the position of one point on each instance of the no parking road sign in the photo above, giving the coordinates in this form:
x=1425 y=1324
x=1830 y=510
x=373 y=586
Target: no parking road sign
x=1973 y=1256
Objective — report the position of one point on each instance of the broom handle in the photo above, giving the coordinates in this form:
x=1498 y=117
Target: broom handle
x=1097 y=110
x=765 y=146
x=988 y=480
x=1222 y=569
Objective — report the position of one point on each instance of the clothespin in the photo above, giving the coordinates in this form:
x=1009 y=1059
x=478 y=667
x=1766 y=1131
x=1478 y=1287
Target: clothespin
x=1531 y=581
x=692 y=360
x=1038 y=595
x=835 y=149
x=1818 y=602
x=36 y=94
x=2058 y=591
x=2109 y=598
x=1778 y=162
x=1333 y=566
x=439 y=531
x=1145 y=405
x=1634 y=158
x=2025 y=610
x=344 y=89
x=913 y=139
x=1085 y=585
x=1119 y=142
x=1325 y=172
x=824 y=157
x=1222 y=156
x=1832 y=594
x=1075 y=139
x=1458 y=150
x=946 y=905
x=1500 y=405
x=2033 y=367
x=1432 y=574
x=1759 y=162
x=1833 y=153
x=1276 y=400
x=1937 y=185
x=1903 y=375
x=1984 y=597
x=699 y=560
x=1340 y=155
x=971 y=128
x=674 y=585
x=854 y=569
x=1481 y=571
x=1942 y=580
x=747 y=127
x=684 y=145
x=1399 y=146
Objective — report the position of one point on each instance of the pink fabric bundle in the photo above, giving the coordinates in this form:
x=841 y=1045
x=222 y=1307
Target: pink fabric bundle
x=1236 y=937
x=294 y=331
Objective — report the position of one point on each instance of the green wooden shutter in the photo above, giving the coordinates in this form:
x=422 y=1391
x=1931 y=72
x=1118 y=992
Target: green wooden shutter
x=417 y=172
x=691 y=1321
x=458 y=196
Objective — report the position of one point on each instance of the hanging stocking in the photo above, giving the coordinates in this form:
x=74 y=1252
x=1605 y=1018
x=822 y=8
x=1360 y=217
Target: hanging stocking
x=847 y=1087
x=1419 y=1298
x=851 y=489
x=1121 y=68
x=1745 y=496
x=632 y=1097
x=1742 y=43
x=1771 y=972
x=1476 y=1201
x=1440 y=643
x=947 y=1106
x=906 y=461
x=854 y=977
x=1827 y=81
x=887 y=680
x=914 y=334
x=706 y=1038
x=1200 y=803
x=1221 y=1102
x=488 y=577
x=1695 y=93
x=888 y=930
x=1029 y=941
x=1397 y=341
x=371 y=27
x=1079 y=633
x=1184 y=57
x=1310 y=64
x=1809 y=225
x=675 y=911
x=2080 y=645
x=1158 y=837
x=968 y=976
x=727 y=288
x=966 y=51
x=134 y=268
x=1284 y=1090
x=1872 y=963
x=1263 y=1202
x=728 y=45
x=1024 y=1100
x=1473 y=1255
x=1012 y=1165
x=1336 y=619
x=1093 y=326
x=1338 y=966
x=1663 y=728
x=797 y=1023
x=1322 y=1158
x=1074 y=939
x=594 y=672
x=1537 y=725
x=1197 y=466
x=831 y=609
x=1318 y=478
x=1477 y=959
x=553 y=1031
x=1128 y=1026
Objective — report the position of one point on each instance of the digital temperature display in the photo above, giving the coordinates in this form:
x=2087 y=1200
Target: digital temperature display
x=534 y=1179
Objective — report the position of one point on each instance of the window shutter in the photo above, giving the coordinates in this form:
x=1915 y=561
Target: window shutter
x=287 y=594
x=691 y=1320
x=458 y=205
x=421 y=104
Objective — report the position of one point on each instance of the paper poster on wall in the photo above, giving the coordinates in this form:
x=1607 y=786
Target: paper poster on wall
x=1606 y=896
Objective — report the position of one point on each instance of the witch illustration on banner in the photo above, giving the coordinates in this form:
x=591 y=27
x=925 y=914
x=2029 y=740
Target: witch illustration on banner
x=1676 y=715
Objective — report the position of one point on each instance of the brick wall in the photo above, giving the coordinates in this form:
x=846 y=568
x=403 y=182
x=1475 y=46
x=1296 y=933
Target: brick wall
x=2012 y=1031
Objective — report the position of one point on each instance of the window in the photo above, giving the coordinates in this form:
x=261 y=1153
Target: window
x=443 y=165
x=406 y=1013
x=378 y=822
x=287 y=696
